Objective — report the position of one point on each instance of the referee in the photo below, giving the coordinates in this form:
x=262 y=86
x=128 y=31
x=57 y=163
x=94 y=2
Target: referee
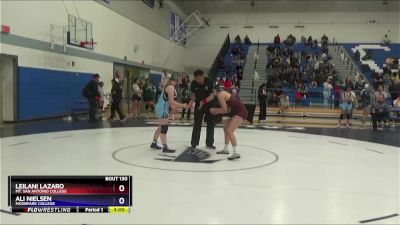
x=203 y=96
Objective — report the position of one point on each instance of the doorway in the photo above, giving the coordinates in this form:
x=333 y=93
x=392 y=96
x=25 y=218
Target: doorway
x=129 y=73
x=8 y=91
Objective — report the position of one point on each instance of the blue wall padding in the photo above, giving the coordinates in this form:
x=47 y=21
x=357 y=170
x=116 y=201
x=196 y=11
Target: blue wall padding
x=155 y=78
x=47 y=93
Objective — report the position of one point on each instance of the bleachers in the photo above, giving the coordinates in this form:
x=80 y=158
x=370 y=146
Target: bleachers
x=315 y=96
x=228 y=60
x=379 y=55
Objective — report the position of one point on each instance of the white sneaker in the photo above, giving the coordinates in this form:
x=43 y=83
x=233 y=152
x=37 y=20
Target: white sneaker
x=225 y=152
x=234 y=156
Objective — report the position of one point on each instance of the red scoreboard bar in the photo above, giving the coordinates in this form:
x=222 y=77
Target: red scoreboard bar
x=70 y=194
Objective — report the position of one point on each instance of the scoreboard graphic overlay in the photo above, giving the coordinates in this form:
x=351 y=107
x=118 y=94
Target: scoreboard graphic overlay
x=70 y=194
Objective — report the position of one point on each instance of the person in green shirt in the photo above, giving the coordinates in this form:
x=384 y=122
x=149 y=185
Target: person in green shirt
x=149 y=95
x=186 y=96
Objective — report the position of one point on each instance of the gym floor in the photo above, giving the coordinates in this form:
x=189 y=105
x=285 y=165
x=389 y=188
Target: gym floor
x=287 y=175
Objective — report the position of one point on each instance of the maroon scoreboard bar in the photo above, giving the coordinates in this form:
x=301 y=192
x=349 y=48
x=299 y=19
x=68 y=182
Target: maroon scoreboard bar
x=70 y=194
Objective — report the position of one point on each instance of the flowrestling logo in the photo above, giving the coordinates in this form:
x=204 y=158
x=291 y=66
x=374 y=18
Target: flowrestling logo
x=189 y=155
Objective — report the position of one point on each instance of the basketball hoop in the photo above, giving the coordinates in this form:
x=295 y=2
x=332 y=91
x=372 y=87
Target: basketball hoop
x=88 y=44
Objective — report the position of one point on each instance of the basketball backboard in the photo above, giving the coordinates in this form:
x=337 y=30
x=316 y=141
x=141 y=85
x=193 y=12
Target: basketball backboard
x=79 y=32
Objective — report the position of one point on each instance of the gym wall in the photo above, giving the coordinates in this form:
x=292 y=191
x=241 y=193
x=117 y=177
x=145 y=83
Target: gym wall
x=115 y=34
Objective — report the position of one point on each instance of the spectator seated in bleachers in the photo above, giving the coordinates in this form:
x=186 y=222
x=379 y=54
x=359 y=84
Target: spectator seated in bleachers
x=396 y=102
x=396 y=106
x=277 y=40
x=309 y=41
x=360 y=83
x=247 y=40
x=396 y=76
x=368 y=55
x=221 y=62
x=313 y=84
x=394 y=88
x=283 y=103
x=396 y=62
x=276 y=61
x=236 y=49
x=273 y=50
x=378 y=80
x=275 y=95
x=315 y=44
x=270 y=49
x=238 y=40
x=324 y=49
x=381 y=92
x=301 y=94
x=392 y=62
x=242 y=56
x=239 y=71
x=220 y=81
x=235 y=89
x=290 y=40
x=348 y=83
x=379 y=112
x=296 y=66
x=303 y=40
x=227 y=84
x=324 y=40
x=357 y=55
x=232 y=63
x=387 y=70
x=238 y=55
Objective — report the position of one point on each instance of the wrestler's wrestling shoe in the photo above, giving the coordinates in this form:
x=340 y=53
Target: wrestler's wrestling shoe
x=225 y=152
x=234 y=156
x=167 y=150
x=155 y=146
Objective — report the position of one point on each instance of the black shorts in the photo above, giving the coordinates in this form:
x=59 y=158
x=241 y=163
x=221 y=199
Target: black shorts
x=136 y=98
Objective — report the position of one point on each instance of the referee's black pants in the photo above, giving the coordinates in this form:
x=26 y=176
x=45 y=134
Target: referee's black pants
x=199 y=115
x=92 y=109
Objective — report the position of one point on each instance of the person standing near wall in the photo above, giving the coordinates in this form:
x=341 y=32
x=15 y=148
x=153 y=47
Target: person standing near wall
x=116 y=97
x=149 y=94
x=186 y=94
x=346 y=108
x=137 y=97
x=365 y=103
x=380 y=111
x=327 y=92
x=262 y=98
x=91 y=92
x=203 y=97
x=102 y=100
